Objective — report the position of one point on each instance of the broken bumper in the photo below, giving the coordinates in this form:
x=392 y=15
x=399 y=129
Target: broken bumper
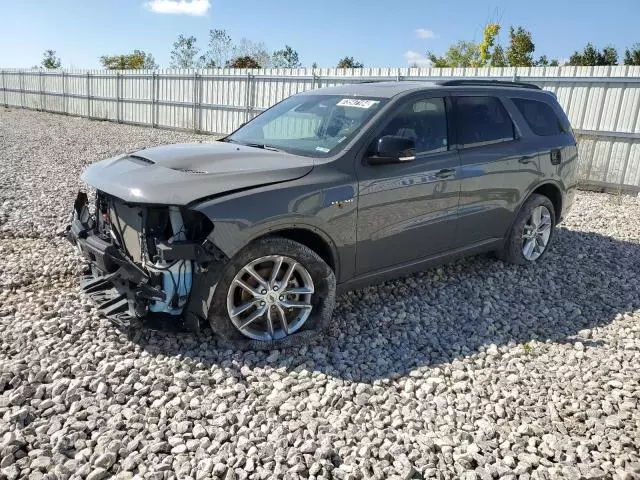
x=110 y=280
x=124 y=292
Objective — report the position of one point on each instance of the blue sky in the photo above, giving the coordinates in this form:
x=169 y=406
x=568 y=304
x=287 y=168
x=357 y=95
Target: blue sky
x=377 y=33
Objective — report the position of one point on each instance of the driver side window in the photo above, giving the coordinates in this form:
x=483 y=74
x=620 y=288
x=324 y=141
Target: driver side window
x=423 y=121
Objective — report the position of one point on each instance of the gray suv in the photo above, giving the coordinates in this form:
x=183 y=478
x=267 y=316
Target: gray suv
x=328 y=190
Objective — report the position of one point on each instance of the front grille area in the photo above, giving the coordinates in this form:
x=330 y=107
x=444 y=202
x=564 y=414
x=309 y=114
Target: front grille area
x=127 y=222
x=120 y=224
x=136 y=230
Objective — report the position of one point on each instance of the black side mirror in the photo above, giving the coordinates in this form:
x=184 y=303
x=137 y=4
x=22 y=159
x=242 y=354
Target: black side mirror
x=393 y=149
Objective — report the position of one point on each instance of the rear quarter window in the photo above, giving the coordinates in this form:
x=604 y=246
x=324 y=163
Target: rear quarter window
x=540 y=117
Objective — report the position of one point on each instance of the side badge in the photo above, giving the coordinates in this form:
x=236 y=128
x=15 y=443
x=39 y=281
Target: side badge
x=341 y=203
x=339 y=196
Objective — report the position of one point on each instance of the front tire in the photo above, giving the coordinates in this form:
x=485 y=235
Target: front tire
x=531 y=233
x=274 y=293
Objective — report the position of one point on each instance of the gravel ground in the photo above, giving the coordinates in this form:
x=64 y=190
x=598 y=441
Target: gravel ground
x=476 y=369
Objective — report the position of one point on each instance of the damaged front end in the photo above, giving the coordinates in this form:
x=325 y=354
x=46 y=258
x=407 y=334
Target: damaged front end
x=145 y=262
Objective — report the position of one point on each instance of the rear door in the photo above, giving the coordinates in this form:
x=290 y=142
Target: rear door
x=408 y=210
x=494 y=167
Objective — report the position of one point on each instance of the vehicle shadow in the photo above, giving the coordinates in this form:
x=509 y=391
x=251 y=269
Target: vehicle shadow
x=449 y=312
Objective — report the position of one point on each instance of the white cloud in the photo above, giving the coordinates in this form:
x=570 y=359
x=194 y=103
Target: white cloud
x=197 y=8
x=425 y=34
x=415 y=58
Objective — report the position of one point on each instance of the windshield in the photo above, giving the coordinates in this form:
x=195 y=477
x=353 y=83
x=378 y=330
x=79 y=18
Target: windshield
x=310 y=125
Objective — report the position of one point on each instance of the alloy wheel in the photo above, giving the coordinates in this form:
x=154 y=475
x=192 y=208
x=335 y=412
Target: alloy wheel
x=270 y=298
x=536 y=234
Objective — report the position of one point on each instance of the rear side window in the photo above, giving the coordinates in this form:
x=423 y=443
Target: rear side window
x=540 y=117
x=482 y=121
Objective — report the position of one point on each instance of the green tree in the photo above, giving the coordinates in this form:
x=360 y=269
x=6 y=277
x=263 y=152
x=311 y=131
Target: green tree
x=285 y=58
x=463 y=54
x=543 y=61
x=609 y=56
x=632 y=56
x=50 y=61
x=120 y=62
x=591 y=56
x=185 y=53
x=349 y=62
x=498 y=58
x=220 y=49
x=490 y=33
x=245 y=61
x=256 y=50
x=132 y=61
x=521 y=48
x=149 y=63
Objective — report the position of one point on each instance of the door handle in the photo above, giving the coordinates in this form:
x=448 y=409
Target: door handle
x=445 y=173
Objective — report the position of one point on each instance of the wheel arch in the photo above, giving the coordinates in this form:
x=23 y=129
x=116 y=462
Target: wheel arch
x=550 y=189
x=310 y=237
x=553 y=192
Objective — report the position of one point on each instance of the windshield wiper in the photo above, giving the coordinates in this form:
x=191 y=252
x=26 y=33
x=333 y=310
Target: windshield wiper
x=258 y=145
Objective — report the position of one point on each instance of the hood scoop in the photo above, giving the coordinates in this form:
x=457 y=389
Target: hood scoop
x=141 y=159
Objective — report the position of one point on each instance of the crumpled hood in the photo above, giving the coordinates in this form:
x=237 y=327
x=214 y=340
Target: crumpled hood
x=182 y=173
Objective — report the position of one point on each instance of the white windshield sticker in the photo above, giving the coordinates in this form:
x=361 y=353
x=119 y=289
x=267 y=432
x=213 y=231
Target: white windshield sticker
x=322 y=149
x=356 y=102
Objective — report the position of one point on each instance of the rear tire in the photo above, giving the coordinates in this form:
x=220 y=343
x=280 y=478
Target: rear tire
x=532 y=232
x=273 y=310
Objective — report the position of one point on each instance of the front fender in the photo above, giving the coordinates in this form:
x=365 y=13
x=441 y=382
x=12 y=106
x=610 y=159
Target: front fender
x=327 y=209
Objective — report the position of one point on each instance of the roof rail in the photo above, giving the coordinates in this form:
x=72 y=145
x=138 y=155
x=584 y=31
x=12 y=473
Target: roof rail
x=487 y=83
x=369 y=80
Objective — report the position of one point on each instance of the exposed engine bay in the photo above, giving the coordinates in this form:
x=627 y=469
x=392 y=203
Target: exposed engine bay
x=143 y=259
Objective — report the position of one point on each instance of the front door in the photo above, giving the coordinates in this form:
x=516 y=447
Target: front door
x=407 y=211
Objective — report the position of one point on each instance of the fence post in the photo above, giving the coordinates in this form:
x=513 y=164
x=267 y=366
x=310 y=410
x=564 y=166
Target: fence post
x=200 y=97
x=118 y=93
x=154 y=102
x=41 y=85
x=65 y=97
x=88 y=95
x=248 y=102
x=195 y=101
x=21 y=78
x=4 y=90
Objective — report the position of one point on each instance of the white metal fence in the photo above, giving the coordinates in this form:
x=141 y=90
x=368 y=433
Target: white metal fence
x=603 y=103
